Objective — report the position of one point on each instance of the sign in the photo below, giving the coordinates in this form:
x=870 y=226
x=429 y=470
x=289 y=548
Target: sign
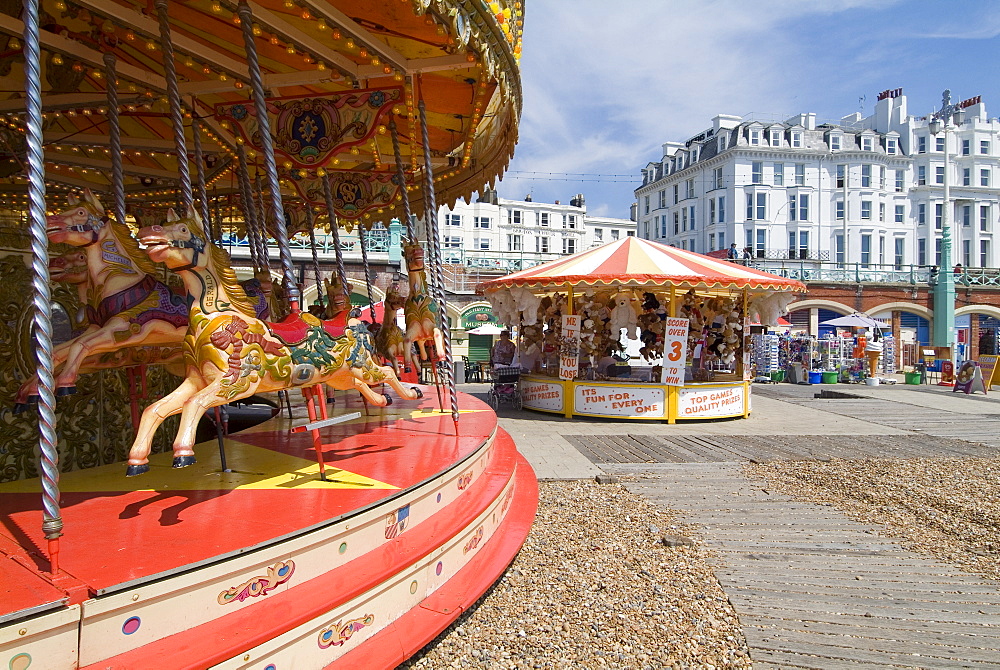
x=634 y=401
x=989 y=367
x=947 y=372
x=476 y=317
x=706 y=403
x=541 y=395
x=569 y=349
x=675 y=342
x=969 y=378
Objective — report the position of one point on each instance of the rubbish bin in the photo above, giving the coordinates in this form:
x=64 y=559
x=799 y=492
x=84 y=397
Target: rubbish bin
x=913 y=377
x=816 y=377
x=778 y=376
x=830 y=376
x=796 y=374
x=459 y=372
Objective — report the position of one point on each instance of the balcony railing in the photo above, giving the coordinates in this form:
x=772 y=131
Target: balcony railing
x=376 y=241
x=860 y=273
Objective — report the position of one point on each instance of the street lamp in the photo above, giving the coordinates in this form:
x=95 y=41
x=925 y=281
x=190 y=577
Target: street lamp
x=944 y=291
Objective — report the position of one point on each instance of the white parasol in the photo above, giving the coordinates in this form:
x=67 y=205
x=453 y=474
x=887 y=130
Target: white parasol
x=856 y=320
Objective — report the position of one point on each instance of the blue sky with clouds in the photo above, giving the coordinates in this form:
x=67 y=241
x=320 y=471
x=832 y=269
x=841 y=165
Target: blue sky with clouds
x=606 y=83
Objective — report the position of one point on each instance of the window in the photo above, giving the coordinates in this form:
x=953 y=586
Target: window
x=881 y=177
x=984 y=217
x=984 y=177
x=922 y=251
x=922 y=213
x=722 y=210
x=569 y=246
x=676 y=197
x=599 y=234
x=482 y=243
x=722 y=144
x=779 y=174
x=867 y=142
x=677 y=222
x=967 y=252
x=452 y=219
x=542 y=245
x=760 y=249
x=757 y=206
x=663 y=199
x=922 y=144
x=866 y=209
x=841 y=171
x=966 y=216
x=481 y=222
x=984 y=253
x=939 y=144
x=899 y=256
x=891 y=146
x=966 y=177
x=796 y=139
x=514 y=242
x=757 y=172
x=899 y=181
x=711 y=241
x=938 y=213
x=663 y=226
x=937 y=252
x=800 y=174
x=900 y=209
x=984 y=146
x=866 y=250
x=754 y=137
x=939 y=174
x=645 y=200
x=722 y=240
x=689 y=188
x=881 y=211
x=798 y=207
x=966 y=147
x=543 y=219
x=614 y=234
x=630 y=233
x=866 y=176
x=684 y=218
x=775 y=138
x=838 y=241
x=717 y=178
x=835 y=142
x=691 y=209
x=921 y=175
x=452 y=242
x=881 y=249
x=840 y=210
x=515 y=217
x=569 y=221
x=711 y=211
x=645 y=228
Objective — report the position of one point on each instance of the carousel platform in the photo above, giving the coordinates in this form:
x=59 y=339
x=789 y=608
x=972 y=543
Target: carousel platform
x=267 y=566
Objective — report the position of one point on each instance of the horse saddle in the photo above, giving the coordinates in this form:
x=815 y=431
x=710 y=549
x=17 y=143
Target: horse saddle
x=292 y=330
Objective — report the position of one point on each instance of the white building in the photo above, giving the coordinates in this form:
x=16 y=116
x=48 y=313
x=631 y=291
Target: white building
x=496 y=233
x=780 y=188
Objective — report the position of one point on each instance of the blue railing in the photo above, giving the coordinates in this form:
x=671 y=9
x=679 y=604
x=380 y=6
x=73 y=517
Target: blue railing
x=864 y=273
x=376 y=241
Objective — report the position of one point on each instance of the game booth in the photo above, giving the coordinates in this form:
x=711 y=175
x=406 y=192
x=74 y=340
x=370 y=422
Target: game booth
x=635 y=329
x=352 y=526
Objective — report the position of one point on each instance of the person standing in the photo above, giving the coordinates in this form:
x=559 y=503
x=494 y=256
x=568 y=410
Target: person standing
x=503 y=351
x=873 y=351
x=733 y=254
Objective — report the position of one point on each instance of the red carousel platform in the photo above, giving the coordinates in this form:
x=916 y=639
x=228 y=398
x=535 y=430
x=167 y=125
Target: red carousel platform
x=267 y=566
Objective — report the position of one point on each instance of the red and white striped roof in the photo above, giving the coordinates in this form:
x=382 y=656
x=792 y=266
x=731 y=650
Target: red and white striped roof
x=636 y=261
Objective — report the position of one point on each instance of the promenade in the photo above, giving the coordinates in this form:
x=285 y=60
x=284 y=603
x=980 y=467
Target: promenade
x=812 y=587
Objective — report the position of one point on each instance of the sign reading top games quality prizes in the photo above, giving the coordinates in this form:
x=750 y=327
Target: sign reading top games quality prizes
x=675 y=342
x=569 y=350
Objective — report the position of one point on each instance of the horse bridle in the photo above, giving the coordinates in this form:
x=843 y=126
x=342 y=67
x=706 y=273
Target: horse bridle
x=194 y=242
x=92 y=225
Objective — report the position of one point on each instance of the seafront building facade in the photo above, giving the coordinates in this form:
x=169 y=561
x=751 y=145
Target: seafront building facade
x=864 y=190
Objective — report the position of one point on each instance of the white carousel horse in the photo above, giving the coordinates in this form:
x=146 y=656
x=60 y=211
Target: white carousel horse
x=230 y=354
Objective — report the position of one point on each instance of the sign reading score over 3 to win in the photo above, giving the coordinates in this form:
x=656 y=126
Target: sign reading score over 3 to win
x=675 y=341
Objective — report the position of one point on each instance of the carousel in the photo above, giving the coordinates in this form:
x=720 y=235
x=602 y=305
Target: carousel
x=352 y=527
x=638 y=330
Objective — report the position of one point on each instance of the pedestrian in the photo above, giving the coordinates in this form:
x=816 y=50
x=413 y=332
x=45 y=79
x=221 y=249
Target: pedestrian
x=958 y=270
x=747 y=255
x=733 y=254
x=503 y=351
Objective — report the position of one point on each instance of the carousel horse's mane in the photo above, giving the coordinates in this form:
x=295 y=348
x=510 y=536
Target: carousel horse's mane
x=129 y=246
x=223 y=269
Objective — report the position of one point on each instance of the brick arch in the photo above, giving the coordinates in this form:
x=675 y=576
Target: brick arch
x=989 y=310
x=833 y=305
x=910 y=307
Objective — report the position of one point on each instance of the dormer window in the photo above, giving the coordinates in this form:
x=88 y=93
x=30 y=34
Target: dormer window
x=867 y=142
x=891 y=146
x=796 y=139
x=722 y=144
x=775 y=138
x=836 y=142
x=755 y=137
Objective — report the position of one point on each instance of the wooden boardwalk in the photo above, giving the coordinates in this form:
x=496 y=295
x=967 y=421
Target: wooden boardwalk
x=814 y=589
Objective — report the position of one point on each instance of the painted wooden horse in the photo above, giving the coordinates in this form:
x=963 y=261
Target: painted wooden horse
x=420 y=309
x=230 y=354
x=390 y=342
x=126 y=306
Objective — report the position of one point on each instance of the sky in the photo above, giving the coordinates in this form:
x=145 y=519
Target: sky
x=607 y=83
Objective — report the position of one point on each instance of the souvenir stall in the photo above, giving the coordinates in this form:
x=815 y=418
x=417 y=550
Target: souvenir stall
x=138 y=135
x=638 y=330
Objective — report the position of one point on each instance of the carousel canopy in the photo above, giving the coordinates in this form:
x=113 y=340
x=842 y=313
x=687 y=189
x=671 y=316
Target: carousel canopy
x=635 y=261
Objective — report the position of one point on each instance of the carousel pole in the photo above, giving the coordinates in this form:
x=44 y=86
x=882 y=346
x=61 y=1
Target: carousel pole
x=435 y=244
x=264 y=128
x=52 y=523
x=265 y=255
x=368 y=270
x=312 y=245
x=335 y=229
x=401 y=179
x=199 y=164
x=115 y=137
x=218 y=214
x=246 y=199
x=174 y=97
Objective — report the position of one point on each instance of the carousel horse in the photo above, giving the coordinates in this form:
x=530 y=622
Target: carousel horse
x=389 y=340
x=230 y=354
x=420 y=309
x=126 y=306
x=337 y=296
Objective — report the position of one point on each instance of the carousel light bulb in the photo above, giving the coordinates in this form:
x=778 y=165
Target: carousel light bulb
x=319 y=172
x=61 y=6
x=305 y=14
x=223 y=77
x=57 y=59
x=290 y=50
x=237 y=84
x=216 y=8
x=206 y=70
x=349 y=44
x=274 y=40
x=321 y=65
x=151 y=46
x=363 y=52
x=335 y=34
x=14 y=43
x=188 y=62
x=289 y=4
x=321 y=24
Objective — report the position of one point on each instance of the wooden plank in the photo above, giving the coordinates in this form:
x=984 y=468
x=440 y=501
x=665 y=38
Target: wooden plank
x=903 y=610
x=977 y=638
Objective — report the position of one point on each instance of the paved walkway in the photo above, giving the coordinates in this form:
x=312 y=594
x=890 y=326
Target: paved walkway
x=813 y=589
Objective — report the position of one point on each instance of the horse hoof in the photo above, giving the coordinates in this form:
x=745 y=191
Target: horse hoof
x=420 y=394
x=183 y=461
x=65 y=390
x=388 y=400
x=135 y=470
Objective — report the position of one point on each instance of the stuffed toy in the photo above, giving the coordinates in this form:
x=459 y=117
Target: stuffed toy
x=623 y=316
